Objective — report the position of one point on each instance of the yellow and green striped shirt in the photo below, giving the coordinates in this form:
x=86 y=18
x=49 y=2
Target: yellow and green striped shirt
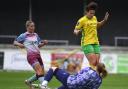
x=89 y=30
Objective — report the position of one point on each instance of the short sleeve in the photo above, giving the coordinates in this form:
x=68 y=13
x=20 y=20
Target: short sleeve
x=20 y=38
x=79 y=24
x=38 y=38
x=95 y=18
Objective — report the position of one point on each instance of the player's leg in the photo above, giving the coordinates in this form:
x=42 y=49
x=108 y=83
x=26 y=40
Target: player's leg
x=33 y=61
x=42 y=67
x=37 y=67
x=47 y=78
x=41 y=62
x=30 y=59
x=90 y=54
x=97 y=52
x=39 y=71
x=31 y=79
x=60 y=74
x=34 y=78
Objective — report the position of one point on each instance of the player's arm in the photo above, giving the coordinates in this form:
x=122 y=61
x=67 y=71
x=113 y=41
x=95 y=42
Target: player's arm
x=16 y=43
x=43 y=43
x=19 y=41
x=76 y=31
x=78 y=27
x=101 y=23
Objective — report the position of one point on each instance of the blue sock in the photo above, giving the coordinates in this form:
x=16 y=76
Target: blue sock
x=49 y=75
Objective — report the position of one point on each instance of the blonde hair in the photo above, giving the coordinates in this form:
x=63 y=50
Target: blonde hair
x=28 y=22
x=102 y=70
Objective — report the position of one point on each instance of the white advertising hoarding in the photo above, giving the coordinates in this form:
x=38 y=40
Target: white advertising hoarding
x=17 y=60
x=110 y=60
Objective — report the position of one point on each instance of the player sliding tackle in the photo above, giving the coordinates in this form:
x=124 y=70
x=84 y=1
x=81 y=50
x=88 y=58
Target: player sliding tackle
x=87 y=78
x=32 y=42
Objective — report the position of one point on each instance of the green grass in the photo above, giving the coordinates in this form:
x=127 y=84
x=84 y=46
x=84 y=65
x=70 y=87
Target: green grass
x=15 y=80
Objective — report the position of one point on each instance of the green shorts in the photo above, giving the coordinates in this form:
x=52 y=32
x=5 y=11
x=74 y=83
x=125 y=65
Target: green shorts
x=91 y=48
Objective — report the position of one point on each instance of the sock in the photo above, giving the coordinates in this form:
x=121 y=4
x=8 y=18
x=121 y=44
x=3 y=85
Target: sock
x=40 y=78
x=32 y=78
x=44 y=83
x=49 y=75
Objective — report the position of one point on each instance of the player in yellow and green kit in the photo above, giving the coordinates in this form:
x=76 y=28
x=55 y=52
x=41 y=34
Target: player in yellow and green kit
x=88 y=25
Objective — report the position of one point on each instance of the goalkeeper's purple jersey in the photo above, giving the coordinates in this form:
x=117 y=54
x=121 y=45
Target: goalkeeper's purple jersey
x=87 y=78
x=30 y=41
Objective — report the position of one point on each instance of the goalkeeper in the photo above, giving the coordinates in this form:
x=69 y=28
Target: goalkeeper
x=87 y=78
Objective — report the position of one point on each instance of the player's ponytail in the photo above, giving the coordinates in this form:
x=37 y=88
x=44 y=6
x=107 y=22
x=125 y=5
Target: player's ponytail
x=101 y=69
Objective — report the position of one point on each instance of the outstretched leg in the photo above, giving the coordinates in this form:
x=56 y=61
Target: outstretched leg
x=60 y=74
x=48 y=77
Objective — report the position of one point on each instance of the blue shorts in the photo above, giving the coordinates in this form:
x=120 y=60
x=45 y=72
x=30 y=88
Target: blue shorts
x=62 y=76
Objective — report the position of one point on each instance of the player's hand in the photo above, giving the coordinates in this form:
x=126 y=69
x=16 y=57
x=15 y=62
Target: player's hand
x=18 y=44
x=45 y=42
x=76 y=32
x=21 y=45
x=106 y=16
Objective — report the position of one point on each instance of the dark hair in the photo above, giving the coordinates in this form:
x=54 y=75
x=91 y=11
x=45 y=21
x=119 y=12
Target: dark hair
x=92 y=6
x=101 y=69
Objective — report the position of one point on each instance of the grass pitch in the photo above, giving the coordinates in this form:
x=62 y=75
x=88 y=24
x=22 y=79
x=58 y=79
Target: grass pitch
x=15 y=80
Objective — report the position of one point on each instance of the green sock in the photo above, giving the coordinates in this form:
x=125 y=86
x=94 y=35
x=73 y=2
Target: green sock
x=33 y=78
